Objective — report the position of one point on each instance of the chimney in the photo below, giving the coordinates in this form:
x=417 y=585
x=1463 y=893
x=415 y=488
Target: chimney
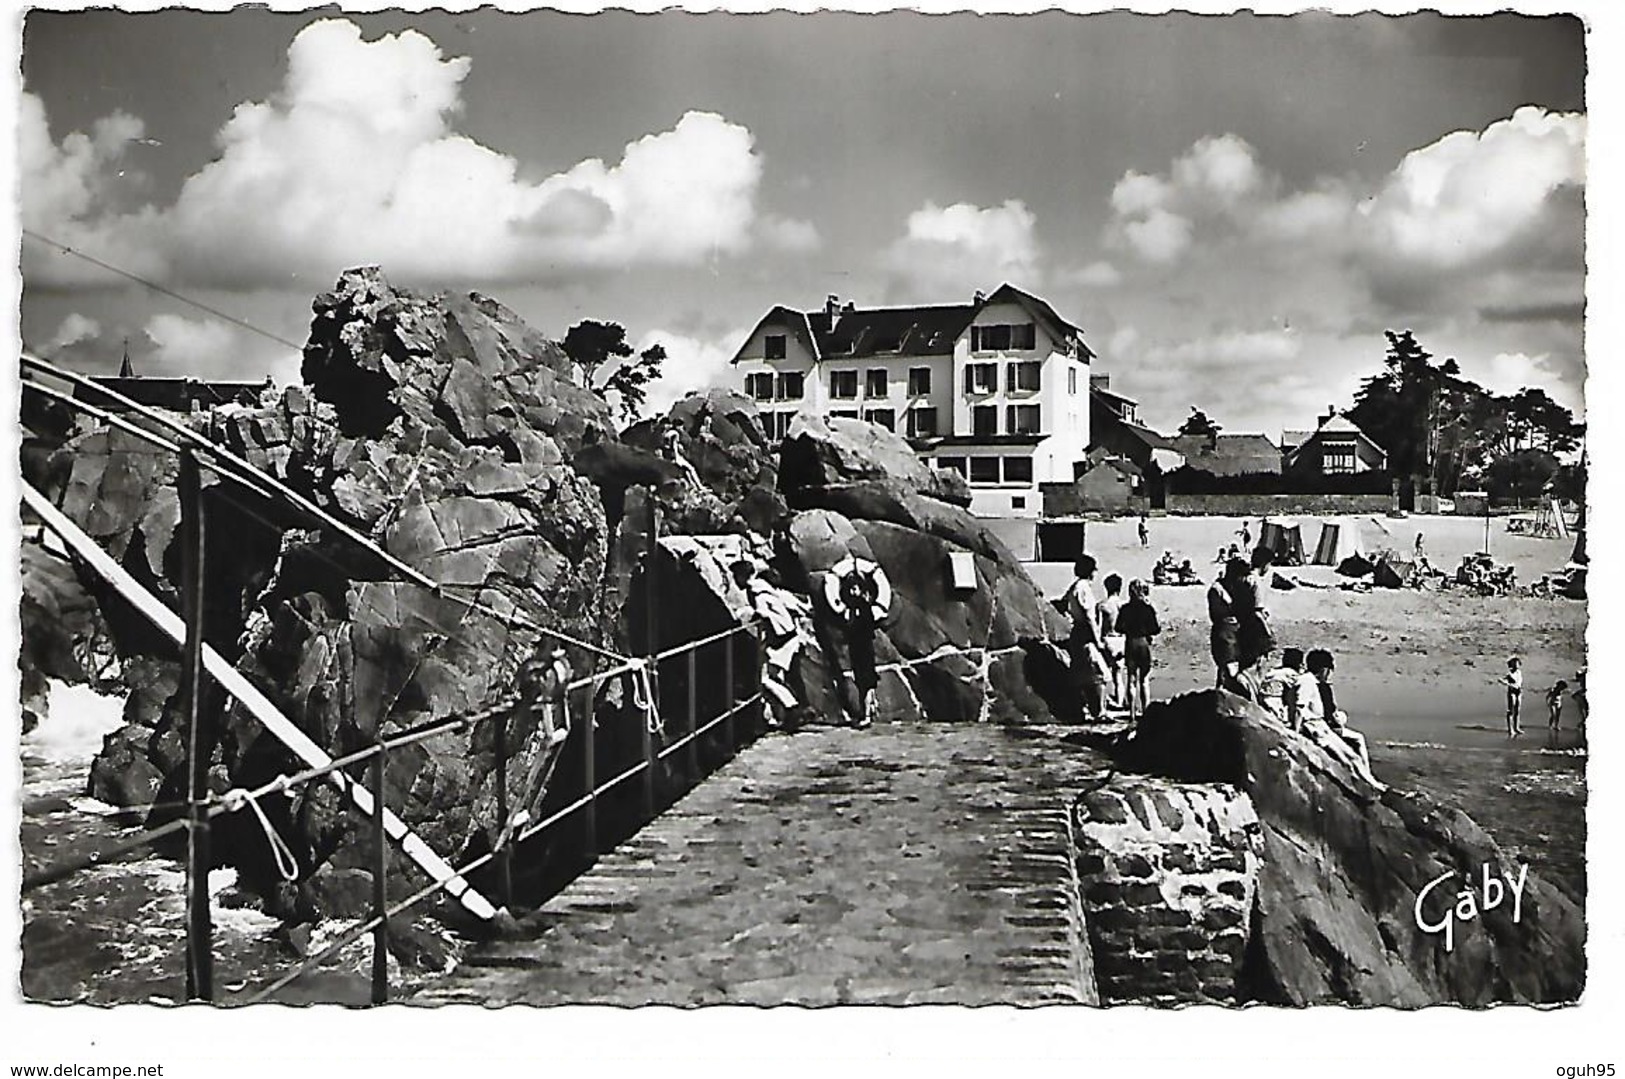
x=831 y=305
x=979 y=297
x=1331 y=410
x=850 y=307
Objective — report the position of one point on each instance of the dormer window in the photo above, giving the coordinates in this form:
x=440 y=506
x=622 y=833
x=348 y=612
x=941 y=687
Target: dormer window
x=1003 y=338
x=773 y=346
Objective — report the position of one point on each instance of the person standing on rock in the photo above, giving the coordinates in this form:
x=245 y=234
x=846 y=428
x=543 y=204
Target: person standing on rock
x=859 y=594
x=1254 y=639
x=671 y=448
x=1137 y=622
x=1084 y=647
x=1224 y=613
x=1112 y=641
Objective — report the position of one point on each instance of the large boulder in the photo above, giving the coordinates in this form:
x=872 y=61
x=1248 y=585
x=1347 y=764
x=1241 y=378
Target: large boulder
x=834 y=453
x=943 y=654
x=1343 y=866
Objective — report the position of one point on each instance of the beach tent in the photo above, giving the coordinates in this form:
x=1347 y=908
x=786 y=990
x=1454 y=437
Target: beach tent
x=1393 y=571
x=1339 y=539
x=1283 y=539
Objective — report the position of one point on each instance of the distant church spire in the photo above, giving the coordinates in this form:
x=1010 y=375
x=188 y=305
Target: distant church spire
x=124 y=369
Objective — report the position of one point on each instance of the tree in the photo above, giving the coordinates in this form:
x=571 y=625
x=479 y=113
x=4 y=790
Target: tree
x=600 y=347
x=1197 y=423
x=1522 y=476
x=1399 y=408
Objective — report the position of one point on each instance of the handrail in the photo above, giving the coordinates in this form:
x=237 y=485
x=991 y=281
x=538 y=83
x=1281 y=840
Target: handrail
x=320 y=765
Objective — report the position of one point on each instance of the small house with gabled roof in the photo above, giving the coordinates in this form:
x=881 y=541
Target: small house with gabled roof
x=1336 y=446
x=996 y=389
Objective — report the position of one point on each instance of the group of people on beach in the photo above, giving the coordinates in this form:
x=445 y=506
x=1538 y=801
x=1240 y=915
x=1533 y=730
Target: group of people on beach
x=1109 y=653
x=1512 y=681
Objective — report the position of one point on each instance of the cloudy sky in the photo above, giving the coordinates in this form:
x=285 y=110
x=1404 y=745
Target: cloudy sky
x=1233 y=209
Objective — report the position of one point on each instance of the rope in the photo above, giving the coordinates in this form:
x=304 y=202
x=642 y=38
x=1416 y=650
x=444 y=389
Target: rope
x=200 y=305
x=644 y=698
x=286 y=864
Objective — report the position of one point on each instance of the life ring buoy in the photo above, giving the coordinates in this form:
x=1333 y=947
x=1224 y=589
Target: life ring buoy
x=855 y=580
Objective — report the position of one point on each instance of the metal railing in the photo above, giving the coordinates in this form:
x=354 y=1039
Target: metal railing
x=726 y=729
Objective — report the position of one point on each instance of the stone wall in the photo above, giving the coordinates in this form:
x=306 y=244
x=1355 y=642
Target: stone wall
x=1168 y=873
x=1258 y=505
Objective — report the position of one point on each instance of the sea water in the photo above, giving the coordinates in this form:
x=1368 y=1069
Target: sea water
x=116 y=933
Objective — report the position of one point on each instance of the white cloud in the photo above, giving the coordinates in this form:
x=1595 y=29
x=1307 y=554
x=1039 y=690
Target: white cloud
x=74 y=329
x=1230 y=351
x=788 y=234
x=1509 y=372
x=1473 y=198
x=955 y=249
x=1099 y=274
x=355 y=160
x=65 y=195
x=692 y=363
x=204 y=348
x=1221 y=170
x=1160 y=236
x=1474 y=241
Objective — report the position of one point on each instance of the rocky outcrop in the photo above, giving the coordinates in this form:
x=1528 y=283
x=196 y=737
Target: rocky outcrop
x=719 y=433
x=443 y=428
x=944 y=653
x=1346 y=872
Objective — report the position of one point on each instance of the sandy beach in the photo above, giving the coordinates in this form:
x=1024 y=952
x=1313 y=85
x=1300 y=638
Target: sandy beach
x=1417 y=671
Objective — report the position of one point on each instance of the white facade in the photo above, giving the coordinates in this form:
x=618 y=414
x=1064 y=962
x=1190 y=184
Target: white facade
x=1005 y=402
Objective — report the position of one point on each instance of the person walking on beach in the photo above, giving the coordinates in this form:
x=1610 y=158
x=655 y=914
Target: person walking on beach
x=1137 y=622
x=1513 y=681
x=1224 y=615
x=1554 y=705
x=1145 y=532
x=1084 y=646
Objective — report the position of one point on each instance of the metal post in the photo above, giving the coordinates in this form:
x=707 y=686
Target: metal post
x=647 y=739
x=693 y=753
x=589 y=771
x=380 y=897
x=504 y=855
x=730 y=725
x=199 y=947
